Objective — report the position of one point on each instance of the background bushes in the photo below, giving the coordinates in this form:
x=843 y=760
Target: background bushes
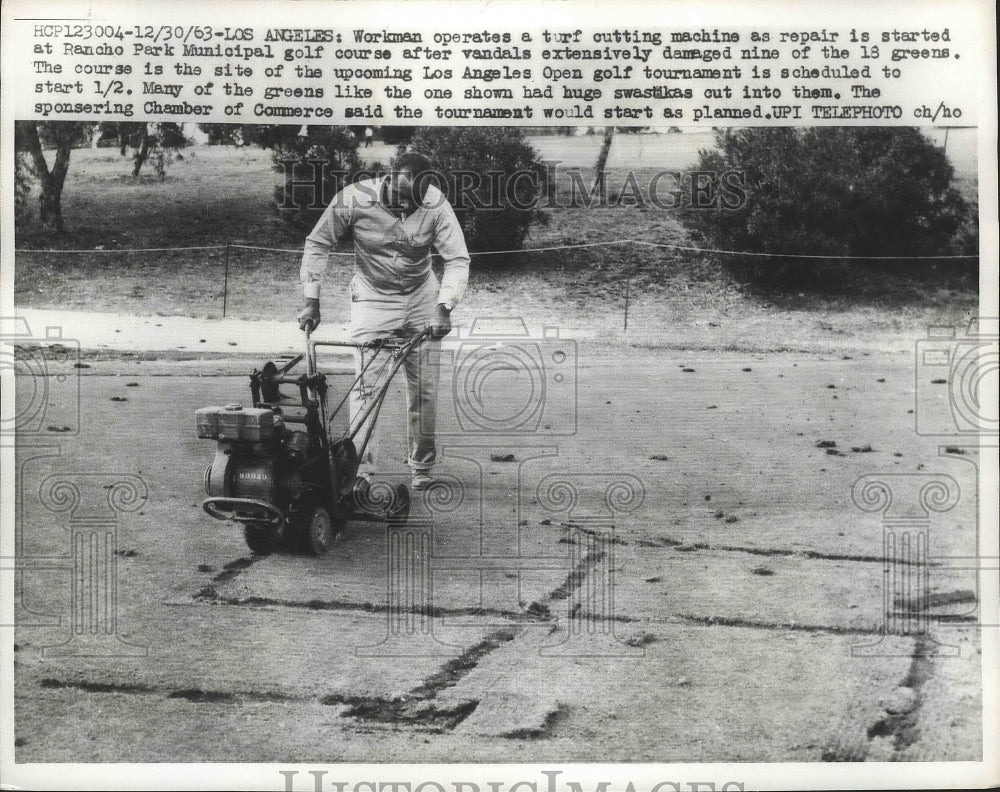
x=834 y=192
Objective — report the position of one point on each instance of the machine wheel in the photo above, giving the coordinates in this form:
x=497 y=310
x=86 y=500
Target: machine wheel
x=259 y=538
x=398 y=511
x=269 y=390
x=345 y=463
x=313 y=528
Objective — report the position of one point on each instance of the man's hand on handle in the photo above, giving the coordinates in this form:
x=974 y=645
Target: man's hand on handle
x=441 y=324
x=309 y=316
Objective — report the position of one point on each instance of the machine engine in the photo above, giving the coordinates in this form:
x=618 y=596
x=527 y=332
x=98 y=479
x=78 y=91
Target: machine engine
x=278 y=470
x=257 y=459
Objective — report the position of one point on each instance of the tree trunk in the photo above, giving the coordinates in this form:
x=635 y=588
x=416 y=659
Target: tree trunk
x=142 y=153
x=50 y=181
x=602 y=161
x=50 y=209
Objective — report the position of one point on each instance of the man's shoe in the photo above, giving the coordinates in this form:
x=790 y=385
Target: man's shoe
x=421 y=480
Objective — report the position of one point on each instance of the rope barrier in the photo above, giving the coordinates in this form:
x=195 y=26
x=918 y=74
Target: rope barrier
x=120 y=250
x=282 y=250
x=797 y=255
x=605 y=243
x=554 y=247
x=582 y=245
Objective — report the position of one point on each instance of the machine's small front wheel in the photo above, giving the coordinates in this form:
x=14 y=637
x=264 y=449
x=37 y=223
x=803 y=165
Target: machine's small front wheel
x=259 y=538
x=313 y=529
x=345 y=464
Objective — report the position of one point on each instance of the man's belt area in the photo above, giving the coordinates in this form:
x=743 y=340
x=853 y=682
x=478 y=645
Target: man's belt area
x=394 y=290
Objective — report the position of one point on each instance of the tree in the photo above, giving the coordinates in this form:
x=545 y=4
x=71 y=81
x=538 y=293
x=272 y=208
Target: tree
x=157 y=143
x=492 y=178
x=152 y=142
x=62 y=136
x=232 y=134
x=395 y=135
x=832 y=192
x=602 y=162
x=316 y=162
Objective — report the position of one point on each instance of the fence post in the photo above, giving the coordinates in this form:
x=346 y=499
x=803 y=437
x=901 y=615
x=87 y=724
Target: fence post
x=225 y=282
x=628 y=289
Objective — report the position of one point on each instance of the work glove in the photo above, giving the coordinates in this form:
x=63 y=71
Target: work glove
x=441 y=323
x=309 y=316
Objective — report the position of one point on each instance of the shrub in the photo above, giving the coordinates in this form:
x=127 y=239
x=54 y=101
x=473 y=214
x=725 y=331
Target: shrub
x=834 y=192
x=315 y=166
x=231 y=134
x=160 y=149
x=395 y=135
x=492 y=178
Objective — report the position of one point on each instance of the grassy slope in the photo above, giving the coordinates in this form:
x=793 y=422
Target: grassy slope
x=218 y=195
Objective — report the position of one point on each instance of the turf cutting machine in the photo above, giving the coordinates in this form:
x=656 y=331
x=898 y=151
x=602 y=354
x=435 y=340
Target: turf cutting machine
x=282 y=471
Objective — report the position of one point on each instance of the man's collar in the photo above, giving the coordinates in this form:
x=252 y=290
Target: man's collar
x=383 y=198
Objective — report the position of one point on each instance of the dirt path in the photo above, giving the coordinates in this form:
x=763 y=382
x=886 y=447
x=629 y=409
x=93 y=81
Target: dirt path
x=670 y=569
